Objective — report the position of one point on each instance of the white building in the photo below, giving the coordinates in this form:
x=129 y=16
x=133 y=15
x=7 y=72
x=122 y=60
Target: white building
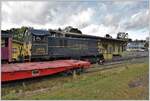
x=136 y=46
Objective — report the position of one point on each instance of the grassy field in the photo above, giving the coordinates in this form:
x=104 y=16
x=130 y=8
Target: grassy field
x=117 y=83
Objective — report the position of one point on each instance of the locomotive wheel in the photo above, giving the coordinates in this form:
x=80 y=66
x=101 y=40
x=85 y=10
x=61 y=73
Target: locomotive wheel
x=79 y=71
x=82 y=70
x=67 y=73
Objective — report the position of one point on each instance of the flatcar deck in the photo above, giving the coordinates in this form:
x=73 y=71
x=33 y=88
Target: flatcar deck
x=19 y=71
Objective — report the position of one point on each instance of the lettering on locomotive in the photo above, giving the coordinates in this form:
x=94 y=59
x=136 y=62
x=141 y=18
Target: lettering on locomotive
x=40 y=51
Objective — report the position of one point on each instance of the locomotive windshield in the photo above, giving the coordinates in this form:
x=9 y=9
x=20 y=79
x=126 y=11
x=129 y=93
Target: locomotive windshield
x=39 y=38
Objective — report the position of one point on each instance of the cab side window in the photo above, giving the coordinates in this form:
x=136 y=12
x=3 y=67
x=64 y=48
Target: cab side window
x=39 y=39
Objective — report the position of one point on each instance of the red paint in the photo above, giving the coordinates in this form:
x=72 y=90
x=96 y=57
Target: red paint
x=4 y=53
x=24 y=70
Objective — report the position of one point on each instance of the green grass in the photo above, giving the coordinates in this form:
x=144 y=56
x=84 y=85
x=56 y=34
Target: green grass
x=109 y=84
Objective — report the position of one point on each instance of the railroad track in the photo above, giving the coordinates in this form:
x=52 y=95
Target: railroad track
x=105 y=66
x=116 y=64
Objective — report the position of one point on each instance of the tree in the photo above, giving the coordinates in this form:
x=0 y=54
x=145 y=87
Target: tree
x=146 y=45
x=130 y=40
x=59 y=29
x=122 y=35
x=18 y=33
x=108 y=36
x=71 y=29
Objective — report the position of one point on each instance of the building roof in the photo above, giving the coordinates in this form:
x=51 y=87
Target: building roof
x=70 y=34
x=85 y=36
x=39 y=32
x=94 y=37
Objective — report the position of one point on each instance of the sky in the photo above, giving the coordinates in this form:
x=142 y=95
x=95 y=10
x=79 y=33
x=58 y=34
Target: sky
x=96 y=18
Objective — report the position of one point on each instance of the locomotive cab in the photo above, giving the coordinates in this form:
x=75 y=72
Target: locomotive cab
x=39 y=48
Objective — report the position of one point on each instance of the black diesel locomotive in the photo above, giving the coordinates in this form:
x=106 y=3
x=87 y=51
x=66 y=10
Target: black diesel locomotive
x=46 y=46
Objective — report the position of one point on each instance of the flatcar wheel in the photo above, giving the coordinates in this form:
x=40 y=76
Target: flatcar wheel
x=79 y=71
x=67 y=73
x=70 y=72
x=83 y=70
x=64 y=74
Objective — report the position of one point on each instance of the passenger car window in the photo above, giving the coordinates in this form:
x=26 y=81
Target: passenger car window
x=4 y=43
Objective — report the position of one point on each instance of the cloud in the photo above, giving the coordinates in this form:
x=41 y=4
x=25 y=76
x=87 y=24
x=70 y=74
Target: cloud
x=111 y=20
x=27 y=12
x=94 y=18
x=138 y=20
x=100 y=30
x=81 y=19
x=45 y=13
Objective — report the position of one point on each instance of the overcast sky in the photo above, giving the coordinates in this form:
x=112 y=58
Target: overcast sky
x=91 y=17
